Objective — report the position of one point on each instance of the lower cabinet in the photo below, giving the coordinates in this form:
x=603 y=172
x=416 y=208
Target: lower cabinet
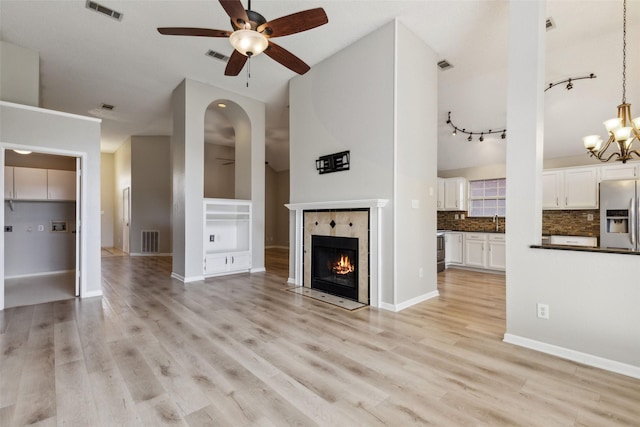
x=496 y=259
x=479 y=250
x=453 y=246
x=227 y=263
x=474 y=250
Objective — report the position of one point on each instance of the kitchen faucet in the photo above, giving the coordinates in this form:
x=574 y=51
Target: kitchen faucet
x=495 y=219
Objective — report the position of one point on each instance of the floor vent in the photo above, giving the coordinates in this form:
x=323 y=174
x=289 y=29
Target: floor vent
x=104 y=10
x=217 y=55
x=444 y=65
x=150 y=241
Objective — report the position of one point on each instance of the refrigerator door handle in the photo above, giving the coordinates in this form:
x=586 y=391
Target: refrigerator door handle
x=632 y=221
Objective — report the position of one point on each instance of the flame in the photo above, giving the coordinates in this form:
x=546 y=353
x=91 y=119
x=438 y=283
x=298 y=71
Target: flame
x=343 y=266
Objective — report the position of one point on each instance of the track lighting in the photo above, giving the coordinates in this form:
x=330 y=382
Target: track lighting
x=471 y=133
x=569 y=85
x=570 y=81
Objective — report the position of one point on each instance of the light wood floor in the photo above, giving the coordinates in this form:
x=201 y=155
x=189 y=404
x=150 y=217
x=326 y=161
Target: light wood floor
x=240 y=351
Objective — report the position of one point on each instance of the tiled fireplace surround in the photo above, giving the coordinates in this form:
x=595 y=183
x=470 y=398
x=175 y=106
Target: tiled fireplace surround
x=354 y=218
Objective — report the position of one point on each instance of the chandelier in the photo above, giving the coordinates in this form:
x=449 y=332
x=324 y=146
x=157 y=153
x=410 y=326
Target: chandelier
x=621 y=129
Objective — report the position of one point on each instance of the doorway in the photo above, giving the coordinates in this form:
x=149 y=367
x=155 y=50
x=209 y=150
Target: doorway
x=41 y=228
x=126 y=218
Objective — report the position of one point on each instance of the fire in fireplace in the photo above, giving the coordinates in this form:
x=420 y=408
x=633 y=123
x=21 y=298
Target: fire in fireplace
x=334 y=265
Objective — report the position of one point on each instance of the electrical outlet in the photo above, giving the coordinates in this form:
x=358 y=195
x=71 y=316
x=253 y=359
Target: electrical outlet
x=40 y=227
x=212 y=237
x=461 y=216
x=589 y=217
x=543 y=311
x=456 y=216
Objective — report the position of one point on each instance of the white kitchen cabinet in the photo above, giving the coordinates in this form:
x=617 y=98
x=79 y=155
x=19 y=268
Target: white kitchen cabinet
x=626 y=171
x=453 y=247
x=571 y=188
x=496 y=258
x=8 y=182
x=440 y=202
x=475 y=245
x=455 y=194
x=227 y=239
x=61 y=185
x=30 y=183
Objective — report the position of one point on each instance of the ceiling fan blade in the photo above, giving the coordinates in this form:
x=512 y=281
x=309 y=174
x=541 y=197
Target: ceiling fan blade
x=236 y=12
x=294 y=23
x=286 y=58
x=186 y=31
x=235 y=64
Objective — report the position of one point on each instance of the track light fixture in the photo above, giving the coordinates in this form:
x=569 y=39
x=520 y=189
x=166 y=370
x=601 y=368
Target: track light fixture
x=503 y=132
x=456 y=129
x=570 y=81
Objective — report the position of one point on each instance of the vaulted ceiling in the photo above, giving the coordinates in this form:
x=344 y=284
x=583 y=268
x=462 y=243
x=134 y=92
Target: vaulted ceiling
x=88 y=59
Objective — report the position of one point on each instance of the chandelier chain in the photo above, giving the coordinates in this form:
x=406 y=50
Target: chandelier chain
x=624 y=52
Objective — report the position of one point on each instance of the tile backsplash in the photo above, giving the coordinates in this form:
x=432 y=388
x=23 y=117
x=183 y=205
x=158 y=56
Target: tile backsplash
x=566 y=223
x=571 y=223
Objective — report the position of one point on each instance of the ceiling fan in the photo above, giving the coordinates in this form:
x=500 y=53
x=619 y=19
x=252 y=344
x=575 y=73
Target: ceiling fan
x=252 y=33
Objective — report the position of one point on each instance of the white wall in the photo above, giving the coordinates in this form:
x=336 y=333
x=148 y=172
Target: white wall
x=190 y=101
x=219 y=178
x=150 y=190
x=107 y=196
x=31 y=251
x=122 y=173
x=344 y=103
x=382 y=108
x=593 y=297
x=60 y=133
x=415 y=167
x=19 y=74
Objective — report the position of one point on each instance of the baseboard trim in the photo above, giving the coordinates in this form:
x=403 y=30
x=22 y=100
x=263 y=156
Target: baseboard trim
x=186 y=279
x=406 y=304
x=91 y=294
x=148 y=254
x=292 y=281
x=575 y=356
x=42 y=273
x=258 y=270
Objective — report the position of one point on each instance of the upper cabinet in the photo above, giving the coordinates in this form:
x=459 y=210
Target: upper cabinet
x=39 y=184
x=30 y=183
x=440 y=203
x=61 y=185
x=626 y=171
x=571 y=188
x=455 y=194
x=8 y=182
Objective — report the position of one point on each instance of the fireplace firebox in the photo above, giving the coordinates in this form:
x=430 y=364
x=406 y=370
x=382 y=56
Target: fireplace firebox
x=334 y=265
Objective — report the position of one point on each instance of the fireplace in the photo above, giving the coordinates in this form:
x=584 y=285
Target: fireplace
x=334 y=265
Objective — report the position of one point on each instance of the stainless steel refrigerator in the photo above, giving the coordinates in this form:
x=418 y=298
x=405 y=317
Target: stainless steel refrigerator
x=619 y=208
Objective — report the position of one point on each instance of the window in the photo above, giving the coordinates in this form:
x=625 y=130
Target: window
x=487 y=197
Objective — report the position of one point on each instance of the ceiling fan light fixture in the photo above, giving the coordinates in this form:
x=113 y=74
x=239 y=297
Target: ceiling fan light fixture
x=248 y=42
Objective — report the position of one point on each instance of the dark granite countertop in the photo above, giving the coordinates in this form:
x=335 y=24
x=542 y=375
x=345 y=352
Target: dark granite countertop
x=585 y=249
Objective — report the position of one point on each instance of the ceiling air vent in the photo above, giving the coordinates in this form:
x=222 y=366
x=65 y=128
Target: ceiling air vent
x=550 y=24
x=217 y=55
x=104 y=10
x=106 y=107
x=444 y=65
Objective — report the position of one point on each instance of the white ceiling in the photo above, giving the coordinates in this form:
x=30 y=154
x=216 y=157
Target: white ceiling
x=87 y=59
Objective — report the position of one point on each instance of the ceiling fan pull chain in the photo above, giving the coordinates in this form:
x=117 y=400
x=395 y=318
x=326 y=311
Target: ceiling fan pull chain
x=248 y=70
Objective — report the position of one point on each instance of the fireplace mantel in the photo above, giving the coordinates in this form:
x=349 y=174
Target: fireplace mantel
x=343 y=204
x=375 y=236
